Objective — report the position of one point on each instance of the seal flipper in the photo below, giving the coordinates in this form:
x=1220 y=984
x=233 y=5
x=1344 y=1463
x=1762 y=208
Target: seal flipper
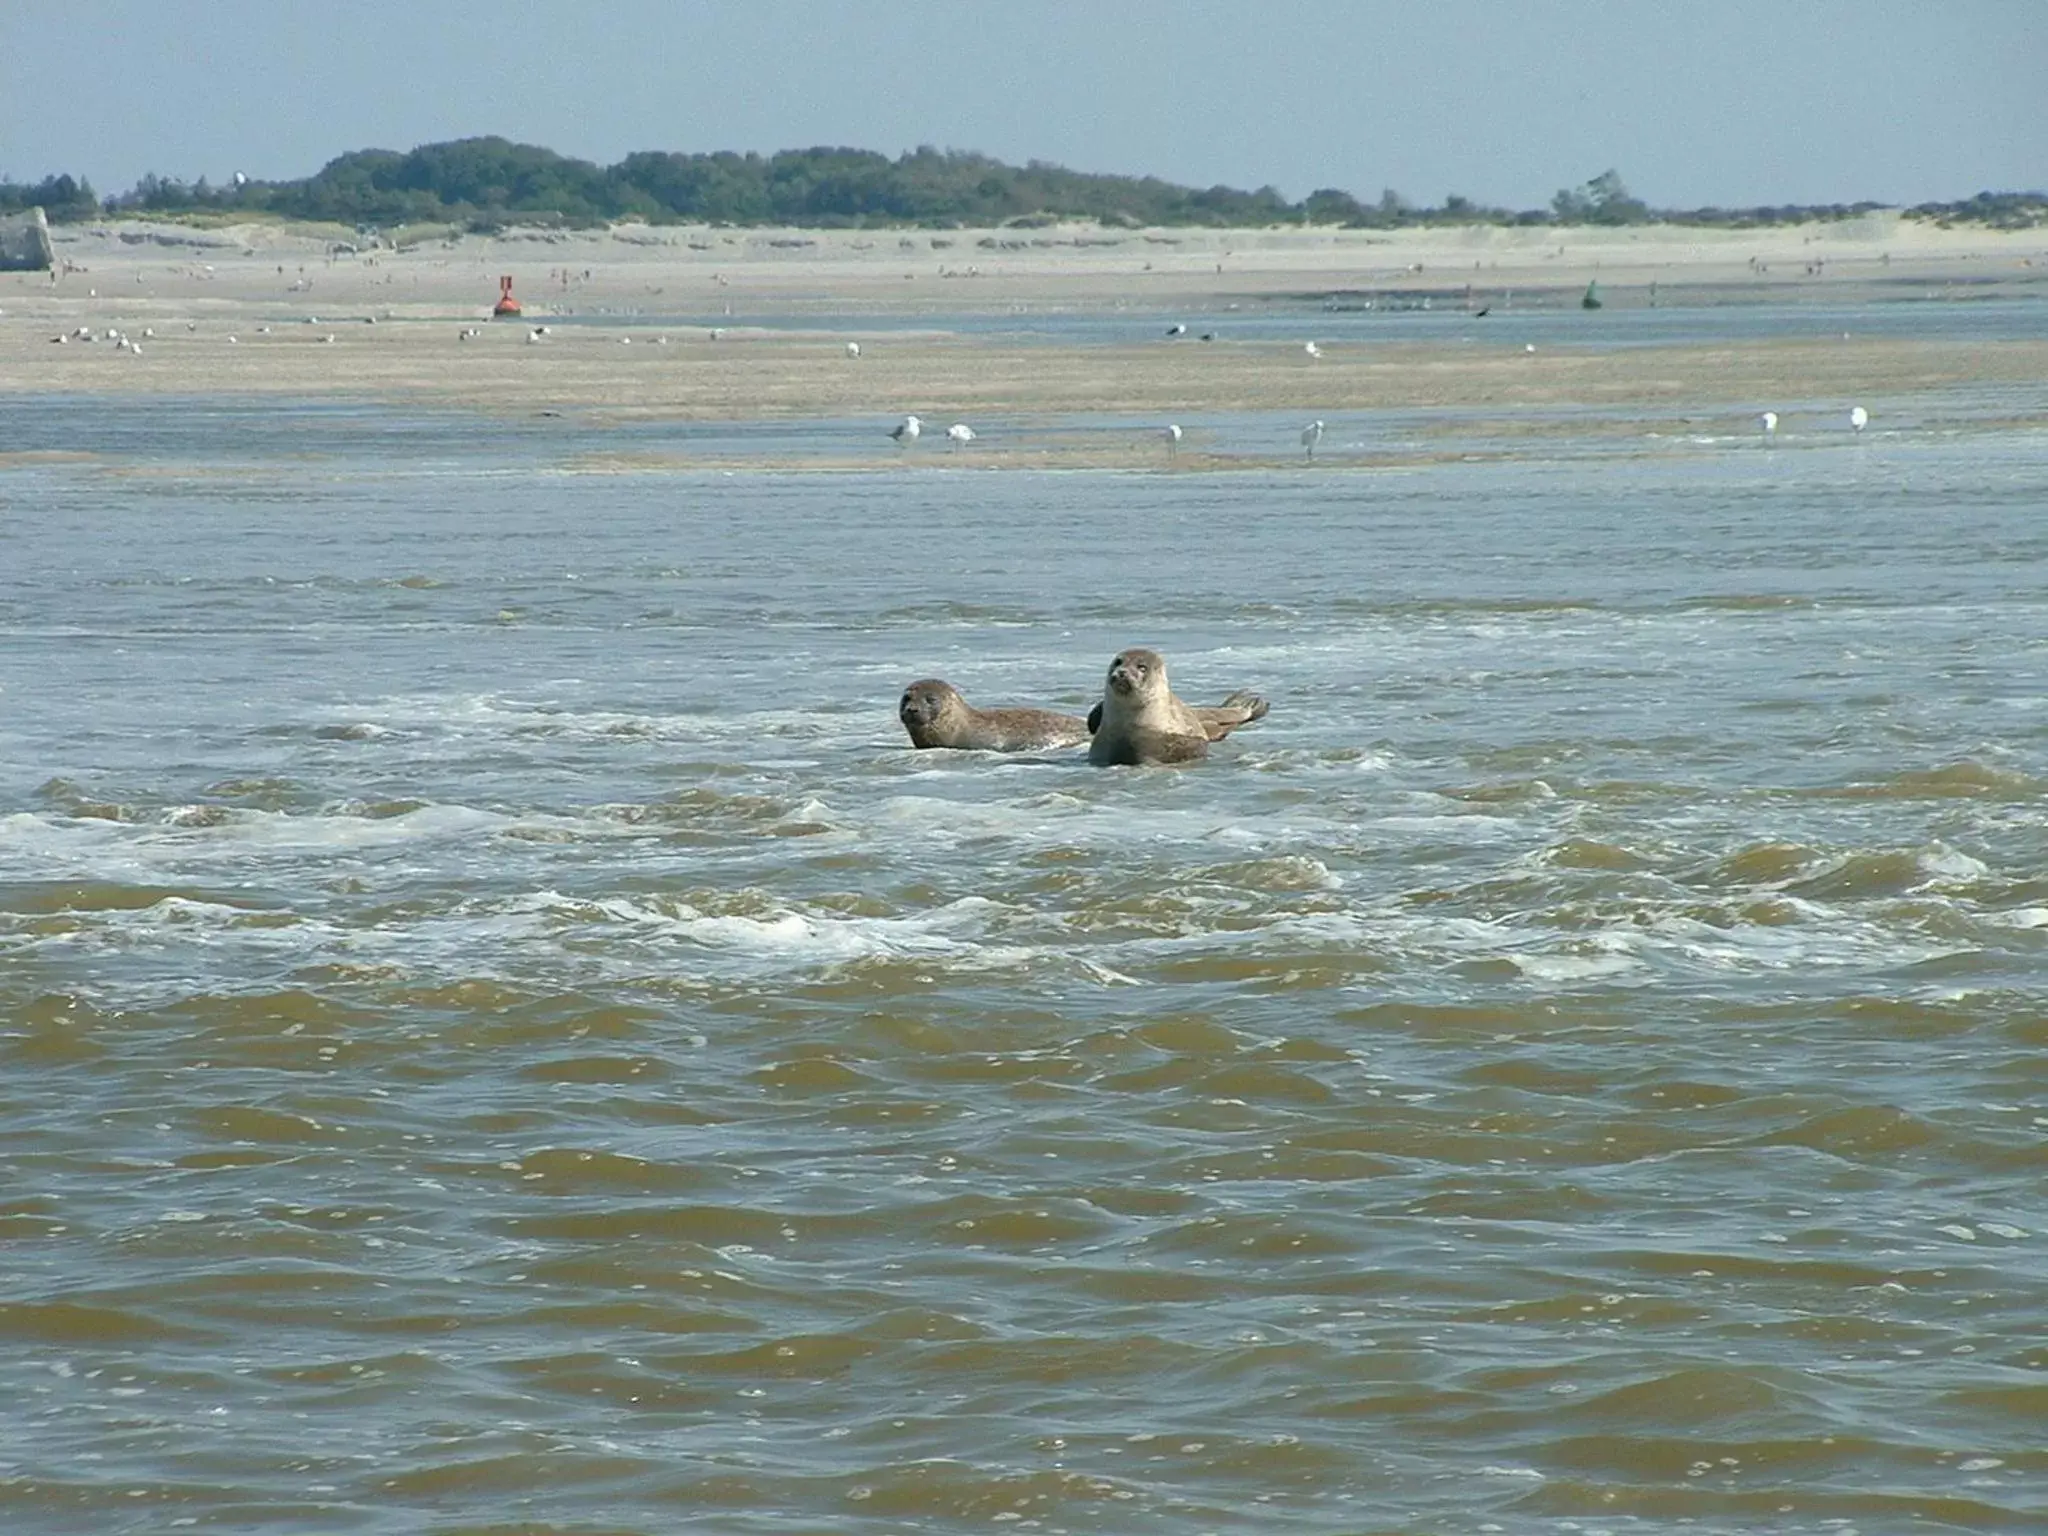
x=1241 y=708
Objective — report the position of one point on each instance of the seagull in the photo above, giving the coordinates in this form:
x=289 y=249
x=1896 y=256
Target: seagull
x=1311 y=349
x=906 y=431
x=959 y=433
x=1310 y=436
x=1173 y=437
x=1769 y=422
x=1859 y=418
x=1178 y=328
x=853 y=349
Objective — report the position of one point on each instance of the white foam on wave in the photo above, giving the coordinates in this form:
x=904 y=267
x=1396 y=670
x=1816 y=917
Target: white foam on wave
x=189 y=943
x=2020 y=917
x=507 y=933
x=185 y=912
x=40 y=835
x=1473 y=827
x=345 y=829
x=43 y=847
x=468 y=715
x=1822 y=939
x=1567 y=968
x=1942 y=862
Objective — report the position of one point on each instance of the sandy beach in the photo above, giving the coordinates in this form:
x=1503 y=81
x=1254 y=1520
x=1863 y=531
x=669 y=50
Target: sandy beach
x=632 y=310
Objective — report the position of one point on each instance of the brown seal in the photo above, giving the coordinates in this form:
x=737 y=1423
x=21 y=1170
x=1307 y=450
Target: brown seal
x=935 y=714
x=1142 y=722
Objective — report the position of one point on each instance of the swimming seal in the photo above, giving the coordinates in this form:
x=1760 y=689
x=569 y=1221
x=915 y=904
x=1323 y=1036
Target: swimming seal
x=1142 y=723
x=935 y=714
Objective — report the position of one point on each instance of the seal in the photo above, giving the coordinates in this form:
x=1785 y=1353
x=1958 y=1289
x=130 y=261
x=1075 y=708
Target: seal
x=935 y=714
x=1218 y=720
x=1142 y=723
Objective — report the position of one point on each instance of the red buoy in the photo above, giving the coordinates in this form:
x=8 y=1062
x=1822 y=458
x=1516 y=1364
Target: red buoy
x=507 y=305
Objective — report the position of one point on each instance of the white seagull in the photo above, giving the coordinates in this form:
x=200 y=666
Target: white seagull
x=906 y=431
x=1173 y=437
x=1769 y=422
x=1310 y=436
x=959 y=433
x=1859 y=418
x=1311 y=349
x=853 y=349
x=1178 y=328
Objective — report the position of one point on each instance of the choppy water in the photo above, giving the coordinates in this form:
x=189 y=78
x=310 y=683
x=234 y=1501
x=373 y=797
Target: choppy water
x=501 y=1035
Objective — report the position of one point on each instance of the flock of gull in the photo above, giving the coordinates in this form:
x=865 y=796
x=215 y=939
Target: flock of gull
x=906 y=432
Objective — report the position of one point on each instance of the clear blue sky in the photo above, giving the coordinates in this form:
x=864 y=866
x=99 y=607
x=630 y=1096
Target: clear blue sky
x=1733 y=102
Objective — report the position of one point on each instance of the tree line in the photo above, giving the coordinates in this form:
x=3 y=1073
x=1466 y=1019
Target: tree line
x=486 y=183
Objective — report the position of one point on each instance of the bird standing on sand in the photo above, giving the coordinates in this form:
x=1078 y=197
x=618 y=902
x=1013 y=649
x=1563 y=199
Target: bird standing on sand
x=1859 y=418
x=1769 y=422
x=1310 y=436
x=853 y=349
x=1173 y=437
x=1311 y=349
x=1178 y=328
x=906 y=431
x=960 y=433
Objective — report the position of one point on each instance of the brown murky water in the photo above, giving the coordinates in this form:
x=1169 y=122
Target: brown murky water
x=501 y=1034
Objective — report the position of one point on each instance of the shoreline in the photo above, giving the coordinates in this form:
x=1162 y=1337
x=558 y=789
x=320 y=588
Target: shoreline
x=634 y=309
x=700 y=269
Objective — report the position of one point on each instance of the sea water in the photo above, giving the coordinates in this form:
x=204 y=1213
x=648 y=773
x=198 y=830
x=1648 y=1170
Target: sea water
x=502 y=1034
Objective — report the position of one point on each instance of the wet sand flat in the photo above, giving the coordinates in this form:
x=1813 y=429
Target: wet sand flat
x=745 y=326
